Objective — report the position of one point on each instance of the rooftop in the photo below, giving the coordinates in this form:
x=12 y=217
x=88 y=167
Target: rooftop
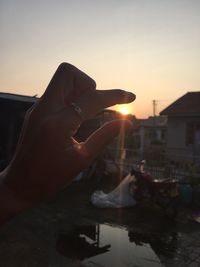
x=15 y=97
x=160 y=121
x=188 y=104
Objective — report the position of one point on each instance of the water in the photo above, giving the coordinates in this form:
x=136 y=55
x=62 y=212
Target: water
x=108 y=246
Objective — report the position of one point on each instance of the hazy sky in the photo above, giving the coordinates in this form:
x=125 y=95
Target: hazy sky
x=151 y=47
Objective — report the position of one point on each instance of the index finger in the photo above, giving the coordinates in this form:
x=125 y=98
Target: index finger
x=98 y=100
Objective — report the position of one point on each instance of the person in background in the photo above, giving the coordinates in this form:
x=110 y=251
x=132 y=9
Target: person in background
x=47 y=157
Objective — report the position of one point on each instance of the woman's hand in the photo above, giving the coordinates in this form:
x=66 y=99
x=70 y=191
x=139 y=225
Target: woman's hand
x=47 y=156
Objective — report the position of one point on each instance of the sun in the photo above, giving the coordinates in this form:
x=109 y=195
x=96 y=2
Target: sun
x=124 y=110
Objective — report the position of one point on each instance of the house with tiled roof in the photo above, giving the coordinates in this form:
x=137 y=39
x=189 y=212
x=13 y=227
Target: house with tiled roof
x=183 y=132
x=12 y=111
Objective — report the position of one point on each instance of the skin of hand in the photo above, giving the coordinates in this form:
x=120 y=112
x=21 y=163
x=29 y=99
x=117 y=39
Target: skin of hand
x=47 y=157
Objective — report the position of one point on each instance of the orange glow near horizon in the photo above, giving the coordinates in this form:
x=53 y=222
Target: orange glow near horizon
x=132 y=45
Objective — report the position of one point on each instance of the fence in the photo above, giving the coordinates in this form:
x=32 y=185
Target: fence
x=127 y=158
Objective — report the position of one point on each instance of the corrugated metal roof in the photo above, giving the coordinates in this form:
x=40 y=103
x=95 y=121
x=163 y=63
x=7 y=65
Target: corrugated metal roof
x=15 y=97
x=188 y=104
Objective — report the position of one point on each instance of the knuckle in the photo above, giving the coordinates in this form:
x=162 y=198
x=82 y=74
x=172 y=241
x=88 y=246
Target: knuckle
x=92 y=83
x=119 y=92
x=65 y=67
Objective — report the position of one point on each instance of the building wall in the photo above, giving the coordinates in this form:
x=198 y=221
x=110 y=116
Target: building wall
x=177 y=147
x=176 y=133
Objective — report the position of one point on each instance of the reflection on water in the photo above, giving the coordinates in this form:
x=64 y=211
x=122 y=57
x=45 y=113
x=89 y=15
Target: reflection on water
x=81 y=243
x=105 y=245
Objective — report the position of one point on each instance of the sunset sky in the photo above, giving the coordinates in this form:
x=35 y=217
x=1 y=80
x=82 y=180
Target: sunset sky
x=150 y=47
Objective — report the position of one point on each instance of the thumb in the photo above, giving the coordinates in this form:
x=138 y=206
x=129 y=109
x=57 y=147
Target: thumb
x=105 y=135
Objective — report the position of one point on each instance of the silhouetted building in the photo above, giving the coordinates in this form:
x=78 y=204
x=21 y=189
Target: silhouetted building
x=12 y=111
x=183 y=133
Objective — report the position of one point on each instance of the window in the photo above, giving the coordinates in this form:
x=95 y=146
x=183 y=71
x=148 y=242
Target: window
x=191 y=129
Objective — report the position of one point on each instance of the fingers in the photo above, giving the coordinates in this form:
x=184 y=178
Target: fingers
x=105 y=135
x=90 y=104
x=96 y=101
x=67 y=84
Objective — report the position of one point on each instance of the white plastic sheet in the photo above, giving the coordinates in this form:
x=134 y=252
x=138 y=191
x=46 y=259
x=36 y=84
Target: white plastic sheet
x=118 y=198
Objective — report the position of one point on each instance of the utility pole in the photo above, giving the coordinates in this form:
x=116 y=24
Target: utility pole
x=154 y=118
x=154 y=107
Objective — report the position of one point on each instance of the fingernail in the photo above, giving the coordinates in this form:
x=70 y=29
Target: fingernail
x=131 y=96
